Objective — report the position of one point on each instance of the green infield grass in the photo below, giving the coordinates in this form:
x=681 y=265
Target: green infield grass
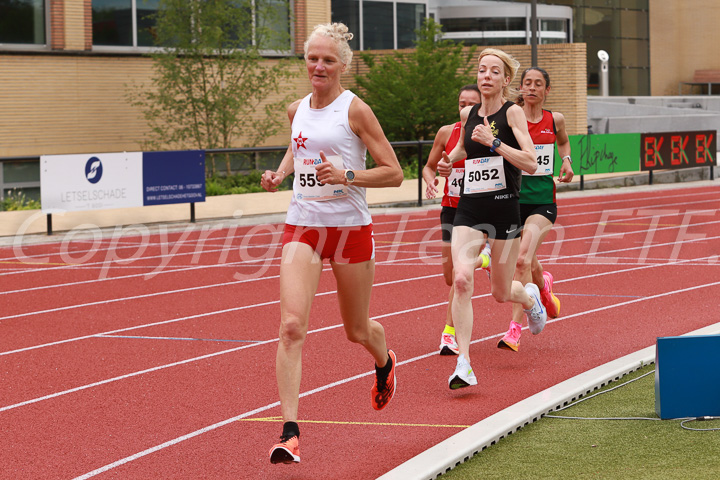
x=643 y=447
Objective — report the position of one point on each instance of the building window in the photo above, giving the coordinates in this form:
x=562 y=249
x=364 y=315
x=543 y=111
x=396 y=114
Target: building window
x=131 y=23
x=378 y=31
x=123 y=23
x=348 y=12
x=22 y=22
x=621 y=28
x=553 y=31
x=275 y=17
x=410 y=17
x=380 y=24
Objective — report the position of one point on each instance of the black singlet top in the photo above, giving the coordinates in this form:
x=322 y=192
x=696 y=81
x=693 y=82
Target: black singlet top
x=499 y=124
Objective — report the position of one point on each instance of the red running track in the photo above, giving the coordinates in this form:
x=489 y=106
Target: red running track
x=146 y=354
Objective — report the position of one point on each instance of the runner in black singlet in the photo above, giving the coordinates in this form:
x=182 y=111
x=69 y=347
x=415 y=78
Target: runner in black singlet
x=497 y=145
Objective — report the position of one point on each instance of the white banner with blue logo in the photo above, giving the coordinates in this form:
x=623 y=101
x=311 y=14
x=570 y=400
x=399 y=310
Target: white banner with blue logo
x=99 y=181
x=91 y=182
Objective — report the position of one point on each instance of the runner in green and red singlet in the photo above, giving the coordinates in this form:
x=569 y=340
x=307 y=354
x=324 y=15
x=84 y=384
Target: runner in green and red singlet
x=538 y=207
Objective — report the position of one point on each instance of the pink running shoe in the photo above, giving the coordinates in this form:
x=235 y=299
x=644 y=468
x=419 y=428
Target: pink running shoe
x=511 y=340
x=549 y=300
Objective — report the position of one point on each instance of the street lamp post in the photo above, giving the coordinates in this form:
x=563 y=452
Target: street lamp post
x=533 y=34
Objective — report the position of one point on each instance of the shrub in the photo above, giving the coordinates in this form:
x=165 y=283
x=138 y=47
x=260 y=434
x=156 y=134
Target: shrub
x=239 y=183
x=15 y=200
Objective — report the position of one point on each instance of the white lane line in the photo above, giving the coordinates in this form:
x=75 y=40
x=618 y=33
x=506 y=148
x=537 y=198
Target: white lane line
x=378 y=317
x=228 y=310
x=166 y=270
x=142 y=337
x=203 y=357
x=199 y=315
x=184 y=239
x=181 y=290
x=173 y=252
x=169 y=292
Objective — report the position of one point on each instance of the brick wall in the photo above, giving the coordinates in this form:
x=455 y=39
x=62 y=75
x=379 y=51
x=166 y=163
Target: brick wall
x=684 y=37
x=308 y=14
x=76 y=104
x=57 y=104
x=57 y=24
x=301 y=26
x=87 y=27
x=75 y=25
x=62 y=104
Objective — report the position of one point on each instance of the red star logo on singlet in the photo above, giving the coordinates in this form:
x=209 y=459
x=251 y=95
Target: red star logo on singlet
x=300 y=141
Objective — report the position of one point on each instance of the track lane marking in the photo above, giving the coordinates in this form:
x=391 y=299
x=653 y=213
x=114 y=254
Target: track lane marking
x=201 y=287
x=214 y=426
x=341 y=422
x=244 y=307
x=265 y=342
x=425 y=218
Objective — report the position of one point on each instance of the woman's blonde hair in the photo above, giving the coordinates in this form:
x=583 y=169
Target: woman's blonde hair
x=339 y=33
x=510 y=67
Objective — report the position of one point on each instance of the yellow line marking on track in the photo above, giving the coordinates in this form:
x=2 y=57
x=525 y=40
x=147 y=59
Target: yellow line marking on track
x=336 y=422
x=396 y=243
x=641 y=224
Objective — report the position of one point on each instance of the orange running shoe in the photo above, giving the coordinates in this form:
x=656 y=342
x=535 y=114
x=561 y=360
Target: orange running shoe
x=287 y=451
x=383 y=392
x=549 y=300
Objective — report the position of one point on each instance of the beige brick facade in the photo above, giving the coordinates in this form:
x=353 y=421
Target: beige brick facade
x=75 y=102
x=75 y=25
x=691 y=44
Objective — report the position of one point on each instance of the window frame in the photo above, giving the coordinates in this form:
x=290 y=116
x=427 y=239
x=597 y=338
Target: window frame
x=394 y=3
x=30 y=47
x=135 y=48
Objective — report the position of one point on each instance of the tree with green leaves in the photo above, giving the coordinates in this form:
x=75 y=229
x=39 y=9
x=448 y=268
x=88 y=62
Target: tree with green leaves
x=211 y=83
x=413 y=94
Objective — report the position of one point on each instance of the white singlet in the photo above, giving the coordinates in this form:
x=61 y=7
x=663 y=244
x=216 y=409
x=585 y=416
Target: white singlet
x=327 y=130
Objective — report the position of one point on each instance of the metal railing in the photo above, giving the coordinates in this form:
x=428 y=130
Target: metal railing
x=9 y=186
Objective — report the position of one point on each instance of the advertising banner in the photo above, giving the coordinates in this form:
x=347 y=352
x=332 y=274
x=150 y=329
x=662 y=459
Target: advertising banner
x=91 y=182
x=603 y=153
x=121 y=180
x=672 y=150
x=173 y=177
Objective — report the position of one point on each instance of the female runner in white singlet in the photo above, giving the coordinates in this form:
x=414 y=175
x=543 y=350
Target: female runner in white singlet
x=329 y=218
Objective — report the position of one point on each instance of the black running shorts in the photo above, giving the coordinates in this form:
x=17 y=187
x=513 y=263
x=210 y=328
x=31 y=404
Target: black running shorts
x=499 y=218
x=447 y=218
x=548 y=210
